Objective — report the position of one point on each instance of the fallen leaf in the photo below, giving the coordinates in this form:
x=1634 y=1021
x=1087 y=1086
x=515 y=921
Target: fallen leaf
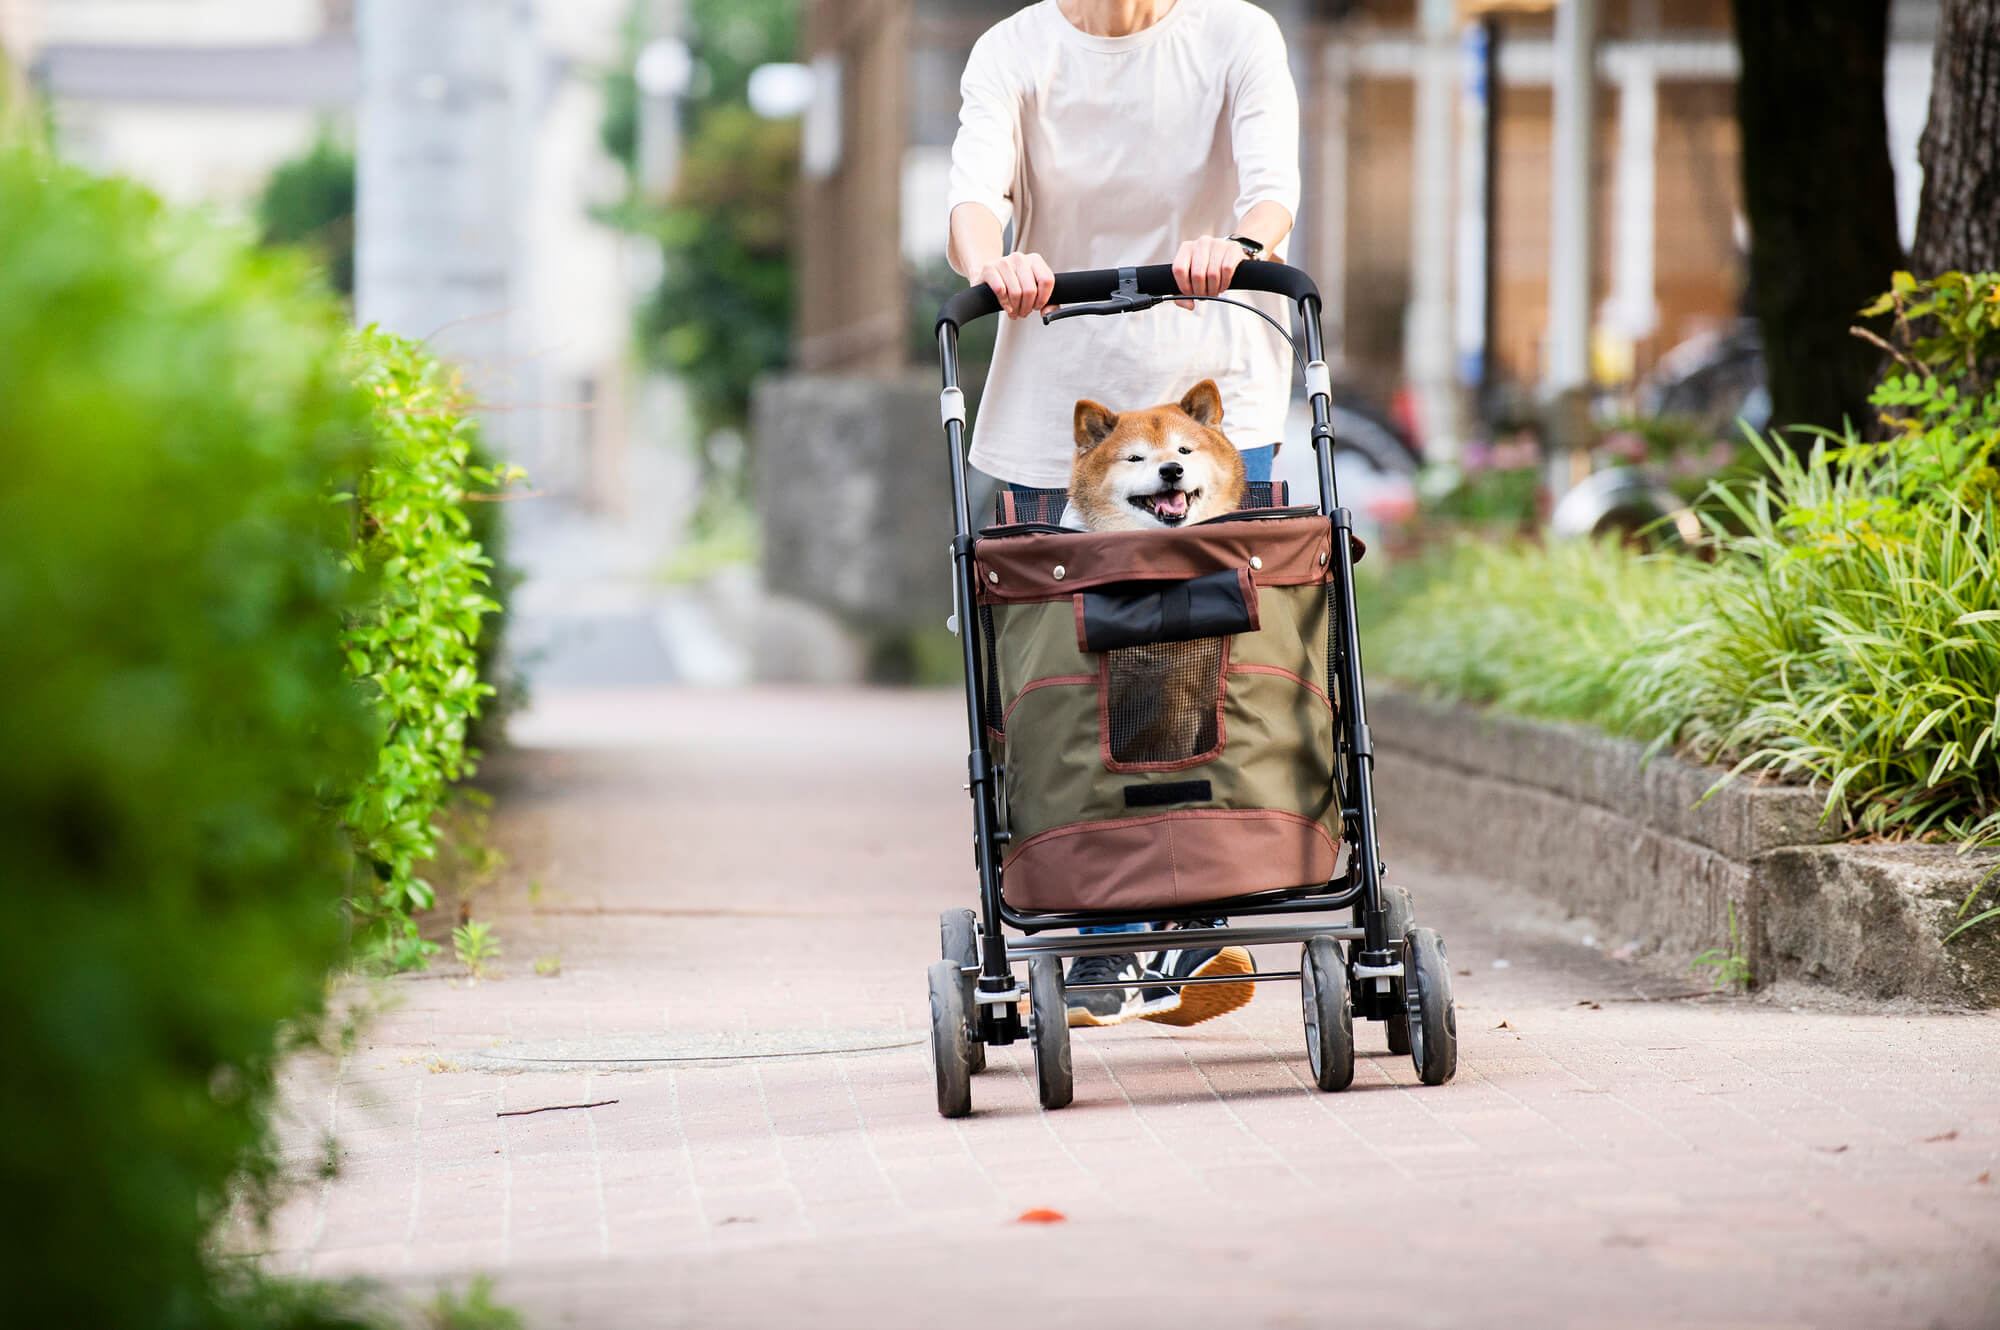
x=1503 y=1026
x=1984 y=1178
x=1586 y=1002
x=1951 y=1135
x=1041 y=1217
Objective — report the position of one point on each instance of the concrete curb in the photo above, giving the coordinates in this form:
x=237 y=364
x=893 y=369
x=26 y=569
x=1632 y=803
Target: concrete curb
x=1583 y=818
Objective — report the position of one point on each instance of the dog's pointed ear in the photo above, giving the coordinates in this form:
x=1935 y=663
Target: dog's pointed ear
x=1094 y=424
x=1204 y=403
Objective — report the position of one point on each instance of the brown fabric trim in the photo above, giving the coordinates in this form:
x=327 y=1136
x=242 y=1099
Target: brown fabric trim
x=1052 y=681
x=1179 y=858
x=1104 y=720
x=1006 y=506
x=1082 y=633
x=1283 y=673
x=1248 y=585
x=1015 y=570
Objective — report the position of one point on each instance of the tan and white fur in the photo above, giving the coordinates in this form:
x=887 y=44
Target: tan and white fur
x=1163 y=467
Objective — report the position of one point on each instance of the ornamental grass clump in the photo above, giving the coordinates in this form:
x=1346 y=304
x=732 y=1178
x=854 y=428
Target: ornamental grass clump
x=1845 y=630
x=175 y=410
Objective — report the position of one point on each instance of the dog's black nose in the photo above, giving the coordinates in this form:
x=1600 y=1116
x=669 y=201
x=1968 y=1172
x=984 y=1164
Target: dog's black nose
x=1170 y=472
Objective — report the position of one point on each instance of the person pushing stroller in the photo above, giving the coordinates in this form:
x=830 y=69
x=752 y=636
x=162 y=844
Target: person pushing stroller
x=1104 y=132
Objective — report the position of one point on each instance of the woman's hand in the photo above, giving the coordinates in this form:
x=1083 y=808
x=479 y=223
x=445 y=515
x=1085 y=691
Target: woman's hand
x=1023 y=282
x=1205 y=267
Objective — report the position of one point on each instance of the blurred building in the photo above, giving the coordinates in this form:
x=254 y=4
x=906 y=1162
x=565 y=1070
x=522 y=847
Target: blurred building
x=1394 y=97
x=477 y=122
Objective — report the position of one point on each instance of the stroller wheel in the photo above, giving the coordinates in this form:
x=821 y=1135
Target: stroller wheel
x=958 y=936
x=1433 y=1019
x=948 y=1041
x=1049 y=1010
x=1402 y=914
x=1329 y=1011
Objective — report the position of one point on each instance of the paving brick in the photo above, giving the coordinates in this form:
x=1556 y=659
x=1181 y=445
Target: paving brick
x=1763 y=1162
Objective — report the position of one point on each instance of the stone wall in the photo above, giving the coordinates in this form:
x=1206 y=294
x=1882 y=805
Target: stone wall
x=1646 y=848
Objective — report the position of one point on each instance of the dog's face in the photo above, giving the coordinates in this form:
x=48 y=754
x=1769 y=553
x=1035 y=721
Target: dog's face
x=1166 y=466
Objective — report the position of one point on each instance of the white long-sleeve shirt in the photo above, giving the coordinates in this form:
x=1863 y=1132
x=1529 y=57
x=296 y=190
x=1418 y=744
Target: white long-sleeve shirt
x=1108 y=152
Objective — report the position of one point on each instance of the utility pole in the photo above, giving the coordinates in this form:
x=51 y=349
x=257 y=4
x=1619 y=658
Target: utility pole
x=1428 y=353
x=435 y=205
x=1566 y=371
x=851 y=311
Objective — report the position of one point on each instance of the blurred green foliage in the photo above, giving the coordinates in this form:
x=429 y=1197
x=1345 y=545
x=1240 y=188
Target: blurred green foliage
x=309 y=201
x=416 y=644
x=178 y=724
x=721 y=313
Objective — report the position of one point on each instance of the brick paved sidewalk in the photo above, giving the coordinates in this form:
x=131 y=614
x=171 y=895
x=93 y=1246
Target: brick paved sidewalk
x=768 y=867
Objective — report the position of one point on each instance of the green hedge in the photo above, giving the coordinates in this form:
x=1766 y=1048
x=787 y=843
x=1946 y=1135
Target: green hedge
x=417 y=646
x=174 y=412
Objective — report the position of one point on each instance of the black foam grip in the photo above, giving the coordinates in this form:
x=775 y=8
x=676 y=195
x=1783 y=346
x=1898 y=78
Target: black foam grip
x=978 y=302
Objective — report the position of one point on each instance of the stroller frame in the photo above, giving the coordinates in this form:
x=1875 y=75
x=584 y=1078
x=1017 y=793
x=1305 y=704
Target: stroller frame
x=1392 y=972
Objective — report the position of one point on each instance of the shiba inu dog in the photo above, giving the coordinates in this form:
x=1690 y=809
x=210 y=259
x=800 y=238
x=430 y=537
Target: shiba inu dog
x=1165 y=466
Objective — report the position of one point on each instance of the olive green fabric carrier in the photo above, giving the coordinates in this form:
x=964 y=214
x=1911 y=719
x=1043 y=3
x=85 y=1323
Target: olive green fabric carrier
x=1168 y=773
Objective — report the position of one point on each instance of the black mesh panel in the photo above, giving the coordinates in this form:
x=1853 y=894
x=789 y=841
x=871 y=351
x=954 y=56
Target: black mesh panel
x=1161 y=703
x=991 y=702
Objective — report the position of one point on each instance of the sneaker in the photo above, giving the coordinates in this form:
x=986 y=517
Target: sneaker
x=1106 y=1006
x=1197 y=1002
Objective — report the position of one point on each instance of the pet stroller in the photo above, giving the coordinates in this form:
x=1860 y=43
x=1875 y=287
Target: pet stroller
x=1087 y=811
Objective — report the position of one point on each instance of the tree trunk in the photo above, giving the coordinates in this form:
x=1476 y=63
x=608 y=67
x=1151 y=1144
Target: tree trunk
x=1821 y=197
x=1958 y=222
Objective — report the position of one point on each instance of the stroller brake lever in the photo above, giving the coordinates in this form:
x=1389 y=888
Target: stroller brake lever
x=1115 y=305
x=1126 y=300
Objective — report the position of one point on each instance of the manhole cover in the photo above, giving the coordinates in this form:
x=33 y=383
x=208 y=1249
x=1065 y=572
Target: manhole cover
x=637 y=1052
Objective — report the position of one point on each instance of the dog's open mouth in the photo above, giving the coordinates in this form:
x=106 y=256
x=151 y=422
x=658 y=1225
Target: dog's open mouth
x=1168 y=506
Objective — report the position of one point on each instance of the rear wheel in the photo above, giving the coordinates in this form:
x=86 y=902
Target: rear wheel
x=1433 y=1019
x=949 y=1058
x=1048 y=1008
x=958 y=937
x=1329 y=1013
x=1402 y=914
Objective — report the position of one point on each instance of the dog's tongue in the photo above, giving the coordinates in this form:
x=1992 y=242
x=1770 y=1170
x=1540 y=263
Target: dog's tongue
x=1171 y=504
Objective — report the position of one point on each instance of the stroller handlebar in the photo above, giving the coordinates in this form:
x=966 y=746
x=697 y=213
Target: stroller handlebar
x=978 y=302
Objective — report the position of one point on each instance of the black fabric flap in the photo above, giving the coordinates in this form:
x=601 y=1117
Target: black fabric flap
x=1135 y=613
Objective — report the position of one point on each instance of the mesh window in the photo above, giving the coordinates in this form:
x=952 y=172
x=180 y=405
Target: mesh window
x=1162 y=701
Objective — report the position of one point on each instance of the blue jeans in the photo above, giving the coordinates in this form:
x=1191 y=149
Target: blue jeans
x=1256 y=466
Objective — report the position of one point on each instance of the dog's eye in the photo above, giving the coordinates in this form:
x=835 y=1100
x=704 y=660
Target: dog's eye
x=1136 y=457
x=1187 y=450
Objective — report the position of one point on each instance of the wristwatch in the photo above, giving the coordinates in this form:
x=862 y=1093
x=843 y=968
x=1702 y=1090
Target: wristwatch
x=1252 y=249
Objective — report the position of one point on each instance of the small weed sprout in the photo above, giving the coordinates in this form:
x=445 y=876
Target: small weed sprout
x=548 y=967
x=1728 y=967
x=476 y=948
x=475 y=1311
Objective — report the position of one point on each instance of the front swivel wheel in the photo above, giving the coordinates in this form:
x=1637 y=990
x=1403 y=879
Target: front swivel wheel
x=1329 y=1012
x=1433 y=1017
x=950 y=1056
x=1048 y=1008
